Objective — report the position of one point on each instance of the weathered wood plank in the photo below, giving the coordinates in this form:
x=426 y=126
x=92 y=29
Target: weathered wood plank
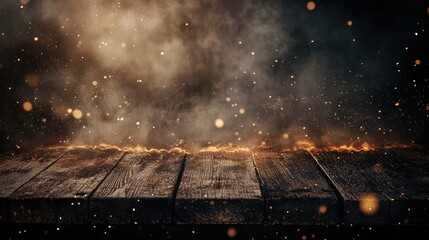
x=60 y=193
x=296 y=192
x=139 y=190
x=374 y=186
x=413 y=167
x=219 y=188
x=15 y=170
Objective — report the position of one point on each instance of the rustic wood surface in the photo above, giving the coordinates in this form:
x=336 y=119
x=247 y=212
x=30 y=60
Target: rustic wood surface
x=139 y=190
x=16 y=170
x=388 y=186
x=357 y=176
x=60 y=193
x=296 y=192
x=412 y=167
x=374 y=177
x=219 y=188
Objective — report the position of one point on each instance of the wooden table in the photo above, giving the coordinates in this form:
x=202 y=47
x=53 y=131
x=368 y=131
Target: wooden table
x=244 y=187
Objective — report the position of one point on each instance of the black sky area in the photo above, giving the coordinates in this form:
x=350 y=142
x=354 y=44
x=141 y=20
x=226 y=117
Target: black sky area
x=364 y=79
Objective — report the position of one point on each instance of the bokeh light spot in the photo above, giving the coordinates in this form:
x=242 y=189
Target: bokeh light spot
x=77 y=113
x=27 y=106
x=368 y=204
x=322 y=210
x=232 y=232
x=311 y=5
x=219 y=123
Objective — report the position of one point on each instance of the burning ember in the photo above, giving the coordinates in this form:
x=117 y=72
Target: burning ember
x=140 y=149
x=300 y=145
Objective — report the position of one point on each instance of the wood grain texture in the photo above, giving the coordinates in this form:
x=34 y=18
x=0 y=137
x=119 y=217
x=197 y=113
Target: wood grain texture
x=60 y=193
x=296 y=192
x=412 y=167
x=16 y=170
x=139 y=190
x=378 y=173
x=219 y=188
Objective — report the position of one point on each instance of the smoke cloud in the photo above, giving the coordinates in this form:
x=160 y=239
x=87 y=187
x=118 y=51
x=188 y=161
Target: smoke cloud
x=188 y=73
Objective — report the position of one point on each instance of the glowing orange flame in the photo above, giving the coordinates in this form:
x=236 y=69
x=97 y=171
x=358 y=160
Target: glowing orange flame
x=132 y=149
x=222 y=149
x=304 y=145
x=354 y=147
x=299 y=145
x=140 y=149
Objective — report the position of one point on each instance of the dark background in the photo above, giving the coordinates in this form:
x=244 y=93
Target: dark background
x=361 y=80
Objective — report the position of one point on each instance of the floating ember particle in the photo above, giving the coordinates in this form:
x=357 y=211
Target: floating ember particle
x=349 y=23
x=368 y=204
x=219 y=123
x=36 y=39
x=417 y=62
x=427 y=106
x=27 y=106
x=285 y=135
x=69 y=110
x=162 y=53
x=123 y=45
x=242 y=111
x=311 y=5
x=397 y=104
x=228 y=99
x=94 y=83
x=322 y=209
x=231 y=232
x=77 y=113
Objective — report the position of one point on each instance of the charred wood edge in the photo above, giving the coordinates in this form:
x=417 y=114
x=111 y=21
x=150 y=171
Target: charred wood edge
x=176 y=188
x=262 y=188
x=99 y=184
x=333 y=186
x=37 y=174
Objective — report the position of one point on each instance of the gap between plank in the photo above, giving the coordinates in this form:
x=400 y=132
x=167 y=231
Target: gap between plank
x=262 y=189
x=88 y=202
x=176 y=189
x=44 y=169
x=332 y=184
x=104 y=178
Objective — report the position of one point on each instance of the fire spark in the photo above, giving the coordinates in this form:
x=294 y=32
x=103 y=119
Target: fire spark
x=130 y=149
